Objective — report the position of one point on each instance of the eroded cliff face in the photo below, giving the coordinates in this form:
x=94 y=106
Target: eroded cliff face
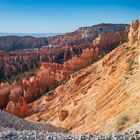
x=56 y=49
x=88 y=33
x=23 y=61
x=48 y=77
x=57 y=64
x=103 y=97
x=108 y=41
x=134 y=34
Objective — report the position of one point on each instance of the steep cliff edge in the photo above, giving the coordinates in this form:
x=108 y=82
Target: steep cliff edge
x=27 y=53
x=16 y=97
x=87 y=33
x=12 y=43
x=73 y=52
x=103 y=97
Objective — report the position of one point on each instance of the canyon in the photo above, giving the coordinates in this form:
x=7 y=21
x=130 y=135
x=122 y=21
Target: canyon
x=56 y=63
x=87 y=81
x=102 y=98
x=22 y=54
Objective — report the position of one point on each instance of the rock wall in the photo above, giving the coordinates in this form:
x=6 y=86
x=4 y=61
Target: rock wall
x=15 y=97
x=134 y=34
x=73 y=55
x=89 y=33
x=108 y=41
x=22 y=61
x=102 y=98
x=59 y=48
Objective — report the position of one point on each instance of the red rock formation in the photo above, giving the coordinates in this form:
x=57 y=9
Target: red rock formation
x=49 y=76
x=4 y=95
x=19 y=108
x=87 y=57
x=88 y=33
x=98 y=97
x=15 y=92
x=107 y=41
x=60 y=49
x=134 y=34
x=75 y=54
x=31 y=89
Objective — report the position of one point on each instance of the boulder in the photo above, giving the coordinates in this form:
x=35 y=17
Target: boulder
x=63 y=114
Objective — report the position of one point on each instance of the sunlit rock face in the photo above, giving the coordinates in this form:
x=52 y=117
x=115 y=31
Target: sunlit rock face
x=87 y=57
x=56 y=62
x=134 y=34
x=101 y=98
x=49 y=76
x=30 y=52
x=88 y=33
x=108 y=41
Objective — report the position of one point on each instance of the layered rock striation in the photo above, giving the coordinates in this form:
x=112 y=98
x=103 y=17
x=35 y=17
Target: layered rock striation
x=74 y=51
x=103 y=97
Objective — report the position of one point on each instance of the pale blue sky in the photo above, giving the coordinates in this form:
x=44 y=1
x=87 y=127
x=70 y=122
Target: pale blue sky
x=47 y=16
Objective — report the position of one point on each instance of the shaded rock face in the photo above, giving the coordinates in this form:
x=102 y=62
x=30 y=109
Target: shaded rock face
x=11 y=43
x=19 y=108
x=4 y=95
x=103 y=97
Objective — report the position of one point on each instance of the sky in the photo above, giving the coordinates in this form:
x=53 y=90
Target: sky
x=60 y=16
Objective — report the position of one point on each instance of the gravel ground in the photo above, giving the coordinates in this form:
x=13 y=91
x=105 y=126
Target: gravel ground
x=7 y=134
x=14 y=128
x=10 y=121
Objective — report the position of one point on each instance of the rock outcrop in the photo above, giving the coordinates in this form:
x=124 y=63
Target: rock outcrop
x=108 y=41
x=48 y=77
x=88 y=33
x=103 y=97
x=4 y=95
x=63 y=115
x=134 y=34
x=74 y=51
x=30 y=52
x=19 y=108
x=14 y=63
